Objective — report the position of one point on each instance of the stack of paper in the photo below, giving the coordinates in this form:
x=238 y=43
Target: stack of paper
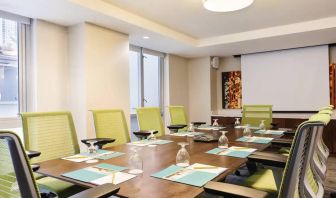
x=101 y=154
x=255 y=139
x=209 y=127
x=101 y=174
x=186 y=133
x=272 y=132
x=196 y=174
x=243 y=127
x=233 y=151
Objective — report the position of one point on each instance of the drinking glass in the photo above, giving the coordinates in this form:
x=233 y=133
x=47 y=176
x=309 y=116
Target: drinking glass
x=182 y=157
x=247 y=131
x=191 y=128
x=223 y=141
x=262 y=125
x=237 y=122
x=135 y=161
x=215 y=122
x=151 y=136
x=92 y=148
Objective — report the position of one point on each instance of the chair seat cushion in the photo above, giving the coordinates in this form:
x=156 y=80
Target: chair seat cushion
x=38 y=176
x=262 y=180
x=61 y=188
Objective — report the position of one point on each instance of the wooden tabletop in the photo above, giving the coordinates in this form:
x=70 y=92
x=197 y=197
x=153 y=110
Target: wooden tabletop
x=154 y=160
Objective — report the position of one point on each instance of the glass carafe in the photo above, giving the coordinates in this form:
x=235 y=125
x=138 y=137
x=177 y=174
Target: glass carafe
x=262 y=125
x=182 y=157
x=215 y=123
x=223 y=141
x=191 y=128
x=135 y=161
x=237 y=122
x=247 y=131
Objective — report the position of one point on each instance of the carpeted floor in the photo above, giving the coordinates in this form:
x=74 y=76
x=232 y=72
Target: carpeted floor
x=330 y=183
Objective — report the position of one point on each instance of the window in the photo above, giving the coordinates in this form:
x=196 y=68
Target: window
x=146 y=77
x=12 y=60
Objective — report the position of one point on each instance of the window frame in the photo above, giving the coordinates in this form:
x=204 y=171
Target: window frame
x=23 y=27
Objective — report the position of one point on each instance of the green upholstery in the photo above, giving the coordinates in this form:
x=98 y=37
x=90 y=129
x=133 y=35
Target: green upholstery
x=178 y=116
x=149 y=118
x=253 y=114
x=262 y=180
x=51 y=133
x=326 y=111
x=111 y=124
x=8 y=183
x=54 y=135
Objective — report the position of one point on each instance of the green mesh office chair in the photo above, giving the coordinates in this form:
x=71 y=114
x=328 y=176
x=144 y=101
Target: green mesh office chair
x=111 y=123
x=253 y=114
x=16 y=177
x=54 y=135
x=149 y=118
x=178 y=117
x=299 y=179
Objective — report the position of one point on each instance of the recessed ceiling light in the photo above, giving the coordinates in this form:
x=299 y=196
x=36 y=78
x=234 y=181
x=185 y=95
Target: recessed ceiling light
x=145 y=37
x=226 y=5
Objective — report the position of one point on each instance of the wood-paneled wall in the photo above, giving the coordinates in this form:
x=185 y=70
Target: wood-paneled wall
x=329 y=135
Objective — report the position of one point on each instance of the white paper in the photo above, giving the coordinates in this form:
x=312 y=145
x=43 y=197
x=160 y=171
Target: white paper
x=118 y=178
x=203 y=167
x=78 y=158
x=238 y=148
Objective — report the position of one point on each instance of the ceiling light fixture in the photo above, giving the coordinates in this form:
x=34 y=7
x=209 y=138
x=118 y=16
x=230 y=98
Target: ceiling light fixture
x=145 y=37
x=226 y=5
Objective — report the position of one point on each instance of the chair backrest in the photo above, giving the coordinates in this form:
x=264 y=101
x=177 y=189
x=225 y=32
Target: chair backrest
x=177 y=115
x=149 y=118
x=51 y=133
x=299 y=179
x=111 y=123
x=16 y=177
x=253 y=114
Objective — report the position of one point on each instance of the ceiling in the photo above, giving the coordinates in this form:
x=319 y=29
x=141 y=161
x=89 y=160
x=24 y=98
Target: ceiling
x=185 y=28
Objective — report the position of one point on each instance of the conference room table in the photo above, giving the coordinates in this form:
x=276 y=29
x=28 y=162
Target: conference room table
x=156 y=159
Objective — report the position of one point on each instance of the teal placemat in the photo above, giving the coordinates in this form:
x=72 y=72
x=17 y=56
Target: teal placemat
x=111 y=167
x=231 y=153
x=100 y=151
x=271 y=132
x=257 y=140
x=109 y=156
x=163 y=142
x=194 y=178
x=167 y=171
x=84 y=175
x=197 y=178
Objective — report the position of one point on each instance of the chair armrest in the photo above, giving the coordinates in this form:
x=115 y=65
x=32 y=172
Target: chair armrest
x=143 y=133
x=100 y=141
x=35 y=167
x=105 y=190
x=232 y=190
x=282 y=142
x=274 y=125
x=32 y=154
x=269 y=159
x=176 y=126
x=292 y=132
x=198 y=123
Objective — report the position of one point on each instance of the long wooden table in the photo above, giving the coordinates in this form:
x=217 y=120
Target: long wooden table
x=155 y=159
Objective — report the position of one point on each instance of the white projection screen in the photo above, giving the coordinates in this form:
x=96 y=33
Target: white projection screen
x=290 y=80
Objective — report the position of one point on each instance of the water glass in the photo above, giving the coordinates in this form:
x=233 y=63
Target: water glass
x=182 y=157
x=223 y=141
x=247 y=131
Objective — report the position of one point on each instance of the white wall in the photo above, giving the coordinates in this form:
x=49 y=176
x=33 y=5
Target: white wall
x=49 y=66
x=99 y=73
x=199 y=89
x=176 y=85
